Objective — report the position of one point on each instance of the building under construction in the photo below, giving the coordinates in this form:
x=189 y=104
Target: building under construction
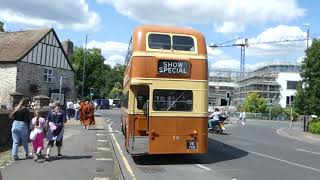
x=276 y=82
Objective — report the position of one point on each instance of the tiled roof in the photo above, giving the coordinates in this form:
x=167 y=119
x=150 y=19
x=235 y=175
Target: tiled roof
x=14 y=45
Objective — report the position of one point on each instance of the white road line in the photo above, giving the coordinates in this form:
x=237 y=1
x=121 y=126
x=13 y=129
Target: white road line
x=124 y=159
x=203 y=167
x=102 y=140
x=104 y=159
x=101 y=135
x=100 y=178
x=308 y=151
x=103 y=149
x=285 y=161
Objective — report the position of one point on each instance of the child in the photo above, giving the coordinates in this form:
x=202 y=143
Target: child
x=37 y=126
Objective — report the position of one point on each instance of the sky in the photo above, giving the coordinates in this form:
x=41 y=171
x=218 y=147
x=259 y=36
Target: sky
x=110 y=24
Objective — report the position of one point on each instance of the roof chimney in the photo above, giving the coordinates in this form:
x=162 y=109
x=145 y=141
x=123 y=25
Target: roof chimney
x=1 y=26
x=68 y=48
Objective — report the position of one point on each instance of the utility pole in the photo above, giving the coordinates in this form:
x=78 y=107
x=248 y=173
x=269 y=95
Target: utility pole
x=84 y=64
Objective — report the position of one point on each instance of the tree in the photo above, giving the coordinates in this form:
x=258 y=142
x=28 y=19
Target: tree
x=95 y=71
x=98 y=75
x=255 y=103
x=307 y=99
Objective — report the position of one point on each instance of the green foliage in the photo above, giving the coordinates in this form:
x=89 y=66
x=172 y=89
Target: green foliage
x=98 y=75
x=276 y=111
x=115 y=93
x=314 y=126
x=295 y=114
x=308 y=99
x=255 y=103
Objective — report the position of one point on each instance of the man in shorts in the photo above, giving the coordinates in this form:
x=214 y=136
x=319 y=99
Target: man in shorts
x=55 y=125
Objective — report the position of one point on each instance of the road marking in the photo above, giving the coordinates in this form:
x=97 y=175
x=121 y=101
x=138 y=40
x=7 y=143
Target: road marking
x=104 y=159
x=102 y=140
x=285 y=161
x=308 y=151
x=101 y=135
x=124 y=159
x=100 y=178
x=203 y=167
x=103 y=149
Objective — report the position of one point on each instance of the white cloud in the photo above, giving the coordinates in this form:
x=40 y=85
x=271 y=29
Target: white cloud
x=230 y=27
x=60 y=13
x=226 y=15
x=279 y=33
x=114 y=52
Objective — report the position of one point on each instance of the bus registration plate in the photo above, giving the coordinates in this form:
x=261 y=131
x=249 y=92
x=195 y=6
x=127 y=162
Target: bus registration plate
x=191 y=144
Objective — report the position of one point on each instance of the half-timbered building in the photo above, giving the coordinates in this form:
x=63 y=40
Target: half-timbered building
x=32 y=62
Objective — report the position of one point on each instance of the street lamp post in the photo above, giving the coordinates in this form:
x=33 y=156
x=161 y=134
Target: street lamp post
x=84 y=64
x=304 y=109
x=60 y=87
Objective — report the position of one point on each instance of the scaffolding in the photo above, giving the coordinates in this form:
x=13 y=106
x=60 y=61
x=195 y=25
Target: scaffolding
x=262 y=80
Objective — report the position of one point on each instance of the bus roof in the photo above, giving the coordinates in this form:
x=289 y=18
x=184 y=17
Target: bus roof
x=139 y=35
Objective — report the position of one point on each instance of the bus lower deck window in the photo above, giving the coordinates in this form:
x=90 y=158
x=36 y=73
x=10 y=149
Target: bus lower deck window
x=172 y=100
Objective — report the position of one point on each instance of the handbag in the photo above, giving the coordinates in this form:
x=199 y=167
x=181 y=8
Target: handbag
x=33 y=135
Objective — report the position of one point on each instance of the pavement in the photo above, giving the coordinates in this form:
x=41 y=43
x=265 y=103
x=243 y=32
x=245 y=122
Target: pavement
x=87 y=155
x=299 y=135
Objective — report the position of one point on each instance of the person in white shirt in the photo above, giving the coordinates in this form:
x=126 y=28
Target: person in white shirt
x=214 y=118
x=70 y=109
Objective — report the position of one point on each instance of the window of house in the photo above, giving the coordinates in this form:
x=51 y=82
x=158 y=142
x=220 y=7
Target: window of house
x=292 y=84
x=159 y=41
x=172 y=100
x=47 y=75
x=183 y=43
x=289 y=100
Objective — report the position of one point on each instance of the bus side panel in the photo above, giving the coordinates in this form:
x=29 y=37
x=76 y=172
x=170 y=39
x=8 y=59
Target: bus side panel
x=170 y=135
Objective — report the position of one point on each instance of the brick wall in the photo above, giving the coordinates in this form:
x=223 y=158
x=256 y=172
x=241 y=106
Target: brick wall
x=33 y=74
x=8 y=75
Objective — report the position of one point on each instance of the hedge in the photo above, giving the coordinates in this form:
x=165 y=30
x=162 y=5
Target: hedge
x=314 y=126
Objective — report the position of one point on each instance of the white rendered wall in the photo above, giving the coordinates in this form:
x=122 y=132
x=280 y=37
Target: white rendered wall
x=284 y=92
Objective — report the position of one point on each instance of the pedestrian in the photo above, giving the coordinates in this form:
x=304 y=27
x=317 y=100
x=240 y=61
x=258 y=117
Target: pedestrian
x=37 y=134
x=88 y=113
x=55 y=128
x=77 y=106
x=70 y=109
x=20 y=128
x=242 y=118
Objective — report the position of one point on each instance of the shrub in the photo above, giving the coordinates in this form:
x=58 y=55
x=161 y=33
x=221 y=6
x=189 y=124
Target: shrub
x=314 y=126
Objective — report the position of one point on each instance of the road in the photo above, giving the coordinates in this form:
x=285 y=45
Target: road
x=251 y=152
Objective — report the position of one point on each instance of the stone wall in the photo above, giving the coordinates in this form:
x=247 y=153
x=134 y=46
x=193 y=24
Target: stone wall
x=34 y=74
x=8 y=75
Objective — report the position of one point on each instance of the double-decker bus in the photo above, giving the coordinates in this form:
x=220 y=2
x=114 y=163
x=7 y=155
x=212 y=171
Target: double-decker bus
x=165 y=92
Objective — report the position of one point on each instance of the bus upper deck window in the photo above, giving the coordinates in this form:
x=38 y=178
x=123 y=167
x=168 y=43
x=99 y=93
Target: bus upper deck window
x=183 y=43
x=159 y=41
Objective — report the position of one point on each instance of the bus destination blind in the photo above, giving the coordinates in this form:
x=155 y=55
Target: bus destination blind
x=173 y=67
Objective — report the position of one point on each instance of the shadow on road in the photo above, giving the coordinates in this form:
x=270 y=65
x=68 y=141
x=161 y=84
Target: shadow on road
x=217 y=152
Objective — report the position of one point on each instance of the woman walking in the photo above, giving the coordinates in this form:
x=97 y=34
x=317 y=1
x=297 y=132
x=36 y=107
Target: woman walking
x=36 y=135
x=56 y=119
x=20 y=128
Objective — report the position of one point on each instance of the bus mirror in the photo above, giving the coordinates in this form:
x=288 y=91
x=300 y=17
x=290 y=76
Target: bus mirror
x=146 y=105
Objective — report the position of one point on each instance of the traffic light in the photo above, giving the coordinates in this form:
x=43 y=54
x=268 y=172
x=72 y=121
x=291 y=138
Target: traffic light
x=91 y=91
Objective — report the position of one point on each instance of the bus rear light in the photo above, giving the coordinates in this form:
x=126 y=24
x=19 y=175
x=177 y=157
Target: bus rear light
x=194 y=134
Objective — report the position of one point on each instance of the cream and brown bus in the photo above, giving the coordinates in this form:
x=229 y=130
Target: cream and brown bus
x=165 y=92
